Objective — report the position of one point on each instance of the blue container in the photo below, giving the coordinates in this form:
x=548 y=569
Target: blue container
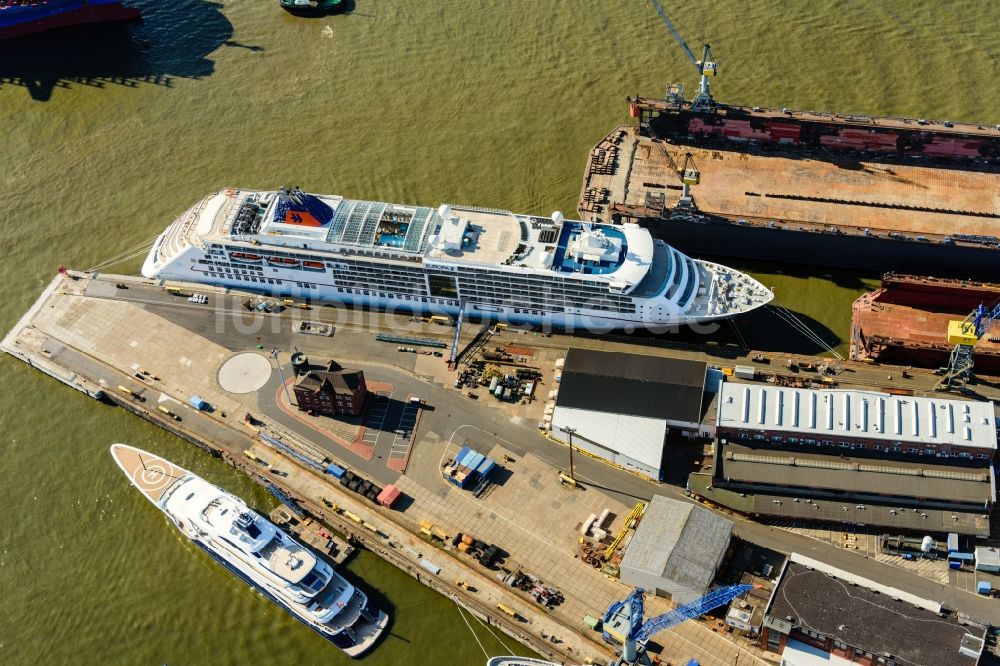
x=198 y=403
x=954 y=564
x=472 y=461
x=984 y=587
x=336 y=470
x=485 y=467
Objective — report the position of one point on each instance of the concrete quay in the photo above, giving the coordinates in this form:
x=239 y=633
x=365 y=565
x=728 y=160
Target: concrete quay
x=85 y=325
x=100 y=337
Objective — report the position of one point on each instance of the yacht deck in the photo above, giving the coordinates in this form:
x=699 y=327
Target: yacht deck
x=151 y=474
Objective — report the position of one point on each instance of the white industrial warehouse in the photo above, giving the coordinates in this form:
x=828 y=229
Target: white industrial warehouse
x=911 y=424
x=677 y=549
x=621 y=406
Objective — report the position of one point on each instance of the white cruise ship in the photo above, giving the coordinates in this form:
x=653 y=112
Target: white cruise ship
x=256 y=551
x=488 y=264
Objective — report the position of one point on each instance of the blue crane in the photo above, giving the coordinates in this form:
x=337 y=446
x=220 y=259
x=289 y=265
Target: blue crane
x=964 y=335
x=623 y=623
x=706 y=66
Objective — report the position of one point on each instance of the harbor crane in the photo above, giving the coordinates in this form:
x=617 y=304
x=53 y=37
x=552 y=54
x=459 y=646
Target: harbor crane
x=964 y=335
x=689 y=176
x=623 y=623
x=706 y=67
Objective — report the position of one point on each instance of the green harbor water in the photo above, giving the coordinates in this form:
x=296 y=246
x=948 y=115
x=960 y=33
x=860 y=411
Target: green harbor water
x=110 y=133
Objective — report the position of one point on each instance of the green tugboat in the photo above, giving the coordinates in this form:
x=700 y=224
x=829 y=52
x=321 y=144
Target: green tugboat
x=311 y=7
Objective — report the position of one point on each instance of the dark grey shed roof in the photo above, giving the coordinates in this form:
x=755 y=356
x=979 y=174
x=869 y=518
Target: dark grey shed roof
x=869 y=620
x=633 y=384
x=788 y=469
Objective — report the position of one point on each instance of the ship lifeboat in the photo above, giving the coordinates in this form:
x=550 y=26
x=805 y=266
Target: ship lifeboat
x=245 y=257
x=284 y=262
x=313 y=265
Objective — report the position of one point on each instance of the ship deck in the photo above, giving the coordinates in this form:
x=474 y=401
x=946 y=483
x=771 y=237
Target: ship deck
x=151 y=474
x=856 y=197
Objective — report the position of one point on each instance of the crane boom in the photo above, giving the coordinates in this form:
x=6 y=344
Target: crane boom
x=623 y=625
x=673 y=31
x=706 y=66
x=710 y=601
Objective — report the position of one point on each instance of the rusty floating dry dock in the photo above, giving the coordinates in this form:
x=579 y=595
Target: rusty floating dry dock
x=905 y=322
x=763 y=198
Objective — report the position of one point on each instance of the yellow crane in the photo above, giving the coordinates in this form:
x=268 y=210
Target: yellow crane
x=964 y=335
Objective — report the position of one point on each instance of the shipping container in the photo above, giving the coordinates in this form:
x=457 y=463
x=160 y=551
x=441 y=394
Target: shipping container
x=388 y=495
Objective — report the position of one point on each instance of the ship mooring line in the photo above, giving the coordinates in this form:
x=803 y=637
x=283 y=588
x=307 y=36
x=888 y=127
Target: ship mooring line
x=459 y=608
x=797 y=324
x=125 y=255
x=493 y=633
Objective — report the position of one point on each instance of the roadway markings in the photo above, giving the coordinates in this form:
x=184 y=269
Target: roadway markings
x=404 y=432
x=376 y=418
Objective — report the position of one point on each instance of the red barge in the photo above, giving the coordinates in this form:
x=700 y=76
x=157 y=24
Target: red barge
x=905 y=322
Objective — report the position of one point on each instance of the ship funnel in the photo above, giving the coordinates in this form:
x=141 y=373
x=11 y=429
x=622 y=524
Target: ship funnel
x=444 y=211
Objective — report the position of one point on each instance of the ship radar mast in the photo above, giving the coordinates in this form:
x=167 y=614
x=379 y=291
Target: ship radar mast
x=706 y=67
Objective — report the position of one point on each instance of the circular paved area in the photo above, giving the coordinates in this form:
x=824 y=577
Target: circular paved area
x=244 y=373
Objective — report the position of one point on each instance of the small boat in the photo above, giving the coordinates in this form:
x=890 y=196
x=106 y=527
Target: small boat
x=314 y=265
x=283 y=261
x=310 y=7
x=245 y=257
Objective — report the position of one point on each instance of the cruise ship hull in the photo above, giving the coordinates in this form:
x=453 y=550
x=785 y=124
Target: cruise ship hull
x=154 y=477
x=472 y=312
x=21 y=21
x=661 y=289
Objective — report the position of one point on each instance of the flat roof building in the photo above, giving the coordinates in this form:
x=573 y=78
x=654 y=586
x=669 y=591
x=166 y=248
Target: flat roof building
x=987 y=559
x=822 y=615
x=621 y=406
x=676 y=549
x=854 y=457
x=866 y=419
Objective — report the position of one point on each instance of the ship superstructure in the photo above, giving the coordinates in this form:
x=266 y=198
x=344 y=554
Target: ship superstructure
x=256 y=551
x=488 y=263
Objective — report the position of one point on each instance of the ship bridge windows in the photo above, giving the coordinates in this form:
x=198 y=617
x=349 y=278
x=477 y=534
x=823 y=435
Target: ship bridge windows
x=678 y=274
x=442 y=286
x=690 y=284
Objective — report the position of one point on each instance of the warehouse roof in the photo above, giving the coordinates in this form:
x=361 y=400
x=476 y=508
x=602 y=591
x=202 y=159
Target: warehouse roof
x=679 y=541
x=783 y=505
x=830 y=413
x=987 y=556
x=634 y=384
x=867 y=619
x=855 y=475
